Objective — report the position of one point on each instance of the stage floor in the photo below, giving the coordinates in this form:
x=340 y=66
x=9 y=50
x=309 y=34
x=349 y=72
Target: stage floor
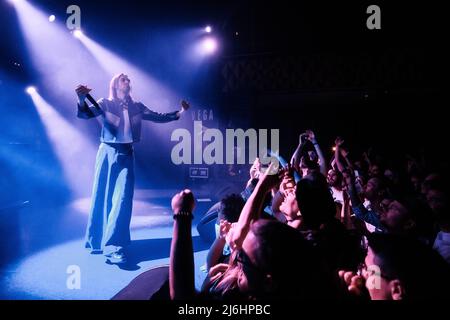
x=51 y=247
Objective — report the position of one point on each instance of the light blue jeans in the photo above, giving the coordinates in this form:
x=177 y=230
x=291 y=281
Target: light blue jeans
x=108 y=226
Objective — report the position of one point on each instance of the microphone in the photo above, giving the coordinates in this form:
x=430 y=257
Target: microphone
x=92 y=100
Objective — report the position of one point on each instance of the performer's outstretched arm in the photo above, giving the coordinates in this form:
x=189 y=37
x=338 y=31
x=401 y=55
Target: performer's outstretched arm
x=163 y=117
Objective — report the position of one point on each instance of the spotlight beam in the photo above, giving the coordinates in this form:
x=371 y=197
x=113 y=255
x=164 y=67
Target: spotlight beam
x=145 y=88
x=69 y=145
x=60 y=60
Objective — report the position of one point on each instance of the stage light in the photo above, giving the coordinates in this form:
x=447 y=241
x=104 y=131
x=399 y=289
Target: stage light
x=209 y=45
x=204 y=47
x=54 y=54
x=208 y=29
x=15 y=1
x=52 y=18
x=78 y=33
x=31 y=90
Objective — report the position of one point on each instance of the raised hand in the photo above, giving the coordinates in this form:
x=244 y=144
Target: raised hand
x=217 y=271
x=229 y=235
x=183 y=201
x=356 y=284
x=185 y=105
x=224 y=228
x=302 y=138
x=339 y=142
x=311 y=136
x=271 y=177
x=82 y=91
x=255 y=170
x=288 y=181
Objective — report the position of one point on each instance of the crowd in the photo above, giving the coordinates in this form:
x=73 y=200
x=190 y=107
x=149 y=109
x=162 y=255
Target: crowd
x=350 y=227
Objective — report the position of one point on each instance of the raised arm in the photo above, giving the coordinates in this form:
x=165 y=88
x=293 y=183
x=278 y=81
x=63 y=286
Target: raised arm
x=153 y=116
x=287 y=183
x=358 y=208
x=344 y=154
x=351 y=189
x=367 y=158
x=347 y=174
x=253 y=207
x=215 y=252
x=84 y=111
x=181 y=268
x=295 y=160
x=337 y=154
x=322 y=161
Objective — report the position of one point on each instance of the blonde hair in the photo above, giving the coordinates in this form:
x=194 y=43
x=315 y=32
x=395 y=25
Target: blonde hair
x=113 y=86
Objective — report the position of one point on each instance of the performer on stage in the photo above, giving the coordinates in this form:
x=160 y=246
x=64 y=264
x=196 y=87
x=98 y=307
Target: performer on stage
x=108 y=229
